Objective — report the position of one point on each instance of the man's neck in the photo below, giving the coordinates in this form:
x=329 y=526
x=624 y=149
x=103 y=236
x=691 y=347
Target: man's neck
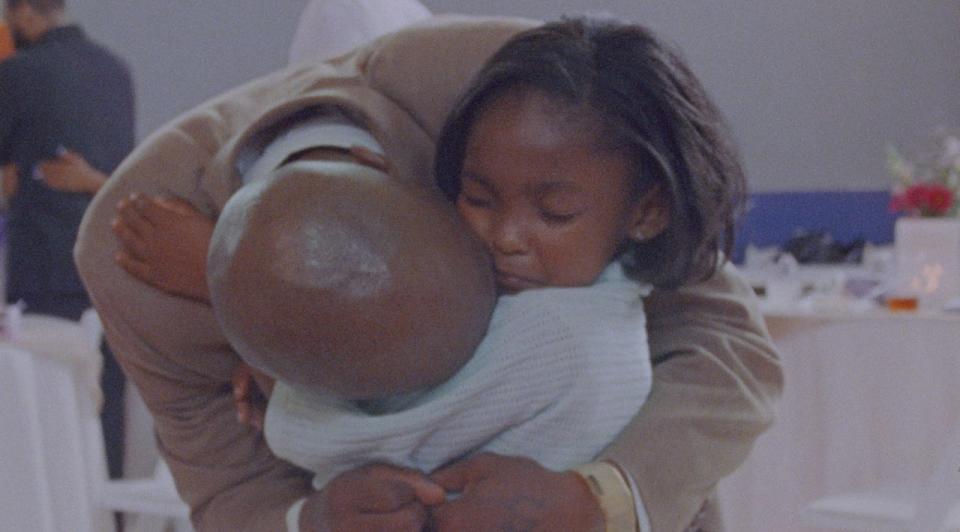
x=48 y=23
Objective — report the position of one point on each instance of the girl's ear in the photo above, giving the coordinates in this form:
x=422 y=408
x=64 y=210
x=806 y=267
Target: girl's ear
x=649 y=216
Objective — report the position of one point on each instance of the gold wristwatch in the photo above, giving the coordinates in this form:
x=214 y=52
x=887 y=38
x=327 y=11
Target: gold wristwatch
x=613 y=493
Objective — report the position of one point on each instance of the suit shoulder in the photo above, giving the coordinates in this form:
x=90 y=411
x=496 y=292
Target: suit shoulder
x=426 y=66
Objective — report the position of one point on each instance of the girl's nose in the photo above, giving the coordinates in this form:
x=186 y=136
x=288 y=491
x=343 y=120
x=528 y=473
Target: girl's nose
x=507 y=236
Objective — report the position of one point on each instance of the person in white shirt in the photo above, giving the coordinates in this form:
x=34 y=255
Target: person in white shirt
x=328 y=28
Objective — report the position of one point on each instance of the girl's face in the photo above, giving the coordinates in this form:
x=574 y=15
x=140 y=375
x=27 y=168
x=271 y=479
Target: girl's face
x=551 y=207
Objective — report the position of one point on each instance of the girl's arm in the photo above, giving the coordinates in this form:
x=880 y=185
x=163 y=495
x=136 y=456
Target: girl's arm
x=163 y=240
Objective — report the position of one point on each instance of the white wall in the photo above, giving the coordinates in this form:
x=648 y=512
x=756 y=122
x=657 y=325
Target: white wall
x=814 y=89
x=182 y=52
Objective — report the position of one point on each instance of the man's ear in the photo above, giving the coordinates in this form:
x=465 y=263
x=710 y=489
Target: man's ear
x=650 y=215
x=358 y=154
x=370 y=158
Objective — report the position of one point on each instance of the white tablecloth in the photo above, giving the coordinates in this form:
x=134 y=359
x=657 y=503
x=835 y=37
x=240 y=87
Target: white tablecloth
x=50 y=442
x=869 y=399
x=73 y=343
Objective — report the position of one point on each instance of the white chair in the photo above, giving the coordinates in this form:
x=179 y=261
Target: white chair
x=152 y=502
x=52 y=461
x=932 y=506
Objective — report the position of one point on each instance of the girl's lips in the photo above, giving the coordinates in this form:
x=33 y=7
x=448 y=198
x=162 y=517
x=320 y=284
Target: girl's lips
x=510 y=284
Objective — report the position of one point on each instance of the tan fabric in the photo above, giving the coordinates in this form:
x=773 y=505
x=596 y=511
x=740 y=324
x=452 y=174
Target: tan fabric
x=711 y=395
x=715 y=378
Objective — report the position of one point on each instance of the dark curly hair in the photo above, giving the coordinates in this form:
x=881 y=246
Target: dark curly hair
x=652 y=109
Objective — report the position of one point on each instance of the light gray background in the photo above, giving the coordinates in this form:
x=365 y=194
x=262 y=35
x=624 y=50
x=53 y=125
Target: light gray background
x=814 y=89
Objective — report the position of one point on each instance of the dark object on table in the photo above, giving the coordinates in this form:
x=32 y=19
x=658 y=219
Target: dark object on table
x=819 y=248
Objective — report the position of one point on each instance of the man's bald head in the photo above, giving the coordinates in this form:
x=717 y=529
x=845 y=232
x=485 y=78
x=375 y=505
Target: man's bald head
x=337 y=278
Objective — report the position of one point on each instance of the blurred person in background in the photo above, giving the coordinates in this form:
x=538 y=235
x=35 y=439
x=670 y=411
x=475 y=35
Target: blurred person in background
x=6 y=41
x=63 y=98
x=6 y=50
x=329 y=28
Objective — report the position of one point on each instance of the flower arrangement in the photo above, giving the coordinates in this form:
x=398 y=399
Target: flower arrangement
x=930 y=188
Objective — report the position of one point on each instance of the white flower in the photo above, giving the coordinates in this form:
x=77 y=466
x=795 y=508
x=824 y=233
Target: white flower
x=950 y=158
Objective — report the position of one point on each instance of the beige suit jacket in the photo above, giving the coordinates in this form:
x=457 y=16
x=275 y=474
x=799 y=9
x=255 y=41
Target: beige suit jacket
x=716 y=372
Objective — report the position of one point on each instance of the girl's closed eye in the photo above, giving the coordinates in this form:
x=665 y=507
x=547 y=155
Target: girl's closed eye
x=554 y=218
x=476 y=194
x=476 y=200
x=561 y=206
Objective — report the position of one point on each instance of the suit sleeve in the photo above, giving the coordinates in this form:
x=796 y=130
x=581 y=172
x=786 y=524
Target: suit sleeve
x=171 y=348
x=716 y=378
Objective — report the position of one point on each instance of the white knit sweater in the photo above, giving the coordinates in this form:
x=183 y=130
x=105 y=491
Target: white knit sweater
x=559 y=374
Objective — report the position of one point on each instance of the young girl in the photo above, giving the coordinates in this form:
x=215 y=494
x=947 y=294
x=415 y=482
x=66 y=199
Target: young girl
x=591 y=164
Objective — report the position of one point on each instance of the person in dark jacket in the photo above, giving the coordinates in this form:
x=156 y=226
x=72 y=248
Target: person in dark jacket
x=61 y=96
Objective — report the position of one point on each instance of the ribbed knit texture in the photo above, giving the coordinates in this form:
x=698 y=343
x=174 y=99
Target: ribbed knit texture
x=559 y=374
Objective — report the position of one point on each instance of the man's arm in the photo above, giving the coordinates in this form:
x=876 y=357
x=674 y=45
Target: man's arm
x=716 y=377
x=172 y=348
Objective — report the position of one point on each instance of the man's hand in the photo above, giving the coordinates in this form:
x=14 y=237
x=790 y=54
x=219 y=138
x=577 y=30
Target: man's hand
x=10 y=182
x=509 y=493
x=70 y=172
x=371 y=498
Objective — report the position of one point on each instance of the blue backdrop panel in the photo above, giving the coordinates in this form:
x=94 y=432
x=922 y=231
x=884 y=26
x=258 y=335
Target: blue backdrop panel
x=773 y=217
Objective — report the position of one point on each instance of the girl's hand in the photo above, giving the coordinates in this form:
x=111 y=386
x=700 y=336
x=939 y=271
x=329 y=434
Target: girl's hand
x=70 y=172
x=251 y=391
x=163 y=242
x=372 y=497
x=510 y=493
